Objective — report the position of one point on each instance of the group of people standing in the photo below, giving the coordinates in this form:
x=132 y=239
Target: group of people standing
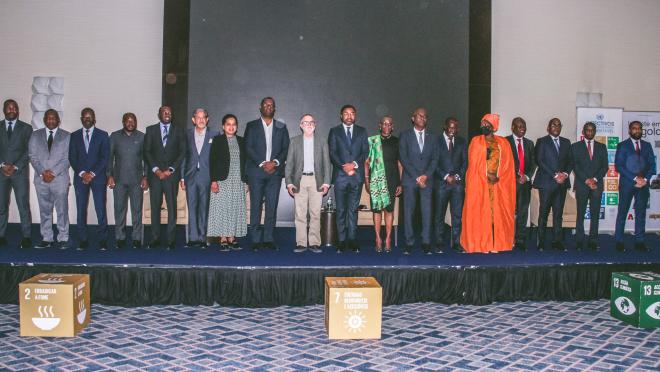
x=486 y=184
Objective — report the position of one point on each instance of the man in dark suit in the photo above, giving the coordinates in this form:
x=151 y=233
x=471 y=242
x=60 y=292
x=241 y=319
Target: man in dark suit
x=127 y=179
x=267 y=144
x=553 y=157
x=89 y=152
x=196 y=178
x=635 y=163
x=14 y=171
x=349 y=149
x=523 y=156
x=164 y=149
x=590 y=166
x=449 y=184
x=418 y=151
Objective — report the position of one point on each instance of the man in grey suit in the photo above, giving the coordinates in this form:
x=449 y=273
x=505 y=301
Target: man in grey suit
x=308 y=174
x=49 y=155
x=14 y=171
x=196 y=178
x=127 y=179
x=418 y=151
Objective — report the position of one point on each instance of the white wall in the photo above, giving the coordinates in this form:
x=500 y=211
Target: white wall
x=544 y=51
x=109 y=53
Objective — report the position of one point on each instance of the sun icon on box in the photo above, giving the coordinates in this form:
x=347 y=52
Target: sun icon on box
x=355 y=322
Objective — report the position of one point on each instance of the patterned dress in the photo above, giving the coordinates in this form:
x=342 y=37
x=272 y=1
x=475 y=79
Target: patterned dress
x=227 y=211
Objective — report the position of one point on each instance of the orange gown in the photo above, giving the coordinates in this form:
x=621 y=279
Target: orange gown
x=489 y=210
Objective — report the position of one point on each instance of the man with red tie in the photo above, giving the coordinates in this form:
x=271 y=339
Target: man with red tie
x=523 y=155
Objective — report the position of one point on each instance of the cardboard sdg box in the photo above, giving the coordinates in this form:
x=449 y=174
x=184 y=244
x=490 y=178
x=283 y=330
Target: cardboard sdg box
x=353 y=307
x=55 y=305
x=635 y=298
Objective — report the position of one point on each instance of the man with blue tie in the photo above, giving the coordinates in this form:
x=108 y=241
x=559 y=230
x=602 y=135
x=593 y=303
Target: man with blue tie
x=449 y=184
x=89 y=152
x=418 y=151
x=553 y=157
x=267 y=145
x=349 y=149
x=590 y=166
x=196 y=177
x=635 y=163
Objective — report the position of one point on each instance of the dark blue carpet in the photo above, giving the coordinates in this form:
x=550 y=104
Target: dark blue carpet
x=285 y=257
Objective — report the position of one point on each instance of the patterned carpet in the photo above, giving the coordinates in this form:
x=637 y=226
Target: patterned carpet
x=571 y=336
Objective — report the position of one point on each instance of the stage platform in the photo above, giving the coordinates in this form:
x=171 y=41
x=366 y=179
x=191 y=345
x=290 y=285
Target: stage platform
x=271 y=278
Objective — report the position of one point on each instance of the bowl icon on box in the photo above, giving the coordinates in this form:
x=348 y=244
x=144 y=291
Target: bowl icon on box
x=47 y=320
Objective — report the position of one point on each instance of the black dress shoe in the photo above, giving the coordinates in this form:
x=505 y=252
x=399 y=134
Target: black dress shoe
x=520 y=245
x=120 y=244
x=438 y=250
x=137 y=244
x=270 y=245
x=154 y=244
x=315 y=249
x=43 y=245
x=593 y=245
x=256 y=246
x=427 y=248
x=3 y=241
x=26 y=243
x=407 y=249
x=620 y=247
x=579 y=245
x=82 y=245
x=299 y=249
x=541 y=246
x=354 y=246
x=64 y=245
x=103 y=245
x=559 y=245
x=171 y=246
x=640 y=246
x=341 y=246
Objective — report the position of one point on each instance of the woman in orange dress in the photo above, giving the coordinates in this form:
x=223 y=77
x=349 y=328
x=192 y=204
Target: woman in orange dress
x=490 y=192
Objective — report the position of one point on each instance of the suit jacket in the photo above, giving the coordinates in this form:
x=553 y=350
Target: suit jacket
x=56 y=160
x=220 y=158
x=454 y=163
x=296 y=160
x=549 y=162
x=528 y=151
x=585 y=168
x=15 y=151
x=629 y=164
x=126 y=162
x=192 y=159
x=164 y=158
x=416 y=163
x=255 y=146
x=341 y=152
x=96 y=159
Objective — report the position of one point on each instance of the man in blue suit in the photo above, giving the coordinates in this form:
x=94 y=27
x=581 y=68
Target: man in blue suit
x=635 y=163
x=418 y=151
x=349 y=149
x=449 y=183
x=553 y=157
x=89 y=152
x=267 y=145
x=196 y=178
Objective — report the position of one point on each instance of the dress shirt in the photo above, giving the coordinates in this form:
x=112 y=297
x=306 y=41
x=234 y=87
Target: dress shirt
x=350 y=127
x=8 y=124
x=308 y=161
x=268 y=131
x=84 y=134
x=521 y=140
x=199 y=141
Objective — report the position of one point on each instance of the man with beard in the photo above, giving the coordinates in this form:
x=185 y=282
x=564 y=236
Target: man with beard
x=126 y=178
x=89 y=151
x=267 y=145
x=590 y=166
x=553 y=157
x=635 y=163
x=523 y=156
x=49 y=156
x=14 y=171
x=164 y=149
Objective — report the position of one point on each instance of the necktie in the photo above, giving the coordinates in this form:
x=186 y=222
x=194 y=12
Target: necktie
x=164 y=135
x=348 y=136
x=637 y=150
x=451 y=145
x=86 y=140
x=591 y=154
x=421 y=142
x=521 y=158
x=557 y=144
x=50 y=140
x=10 y=129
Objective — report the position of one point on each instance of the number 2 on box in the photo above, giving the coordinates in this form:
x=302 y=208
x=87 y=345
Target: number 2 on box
x=27 y=293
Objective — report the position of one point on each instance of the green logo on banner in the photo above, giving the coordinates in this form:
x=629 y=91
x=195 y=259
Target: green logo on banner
x=612 y=142
x=612 y=198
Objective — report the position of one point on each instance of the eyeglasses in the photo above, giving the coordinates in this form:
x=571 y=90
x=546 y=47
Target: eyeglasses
x=308 y=123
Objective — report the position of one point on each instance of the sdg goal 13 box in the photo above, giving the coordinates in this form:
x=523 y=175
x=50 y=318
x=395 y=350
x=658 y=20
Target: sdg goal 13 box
x=635 y=298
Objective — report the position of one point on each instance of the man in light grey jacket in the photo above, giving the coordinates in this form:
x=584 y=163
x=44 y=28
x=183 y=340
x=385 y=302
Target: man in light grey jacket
x=48 y=151
x=308 y=173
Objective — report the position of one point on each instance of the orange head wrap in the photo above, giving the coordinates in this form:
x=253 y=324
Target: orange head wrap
x=493 y=119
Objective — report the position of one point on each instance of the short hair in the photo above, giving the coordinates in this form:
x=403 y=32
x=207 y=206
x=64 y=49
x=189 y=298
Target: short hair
x=303 y=115
x=449 y=120
x=7 y=102
x=87 y=109
x=633 y=123
x=227 y=117
x=553 y=119
x=386 y=117
x=206 y=114
x=341 y=111
x=589 y=124
x=519 y=119
x=264 y=100
x=52 y=111
x=128 y=115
